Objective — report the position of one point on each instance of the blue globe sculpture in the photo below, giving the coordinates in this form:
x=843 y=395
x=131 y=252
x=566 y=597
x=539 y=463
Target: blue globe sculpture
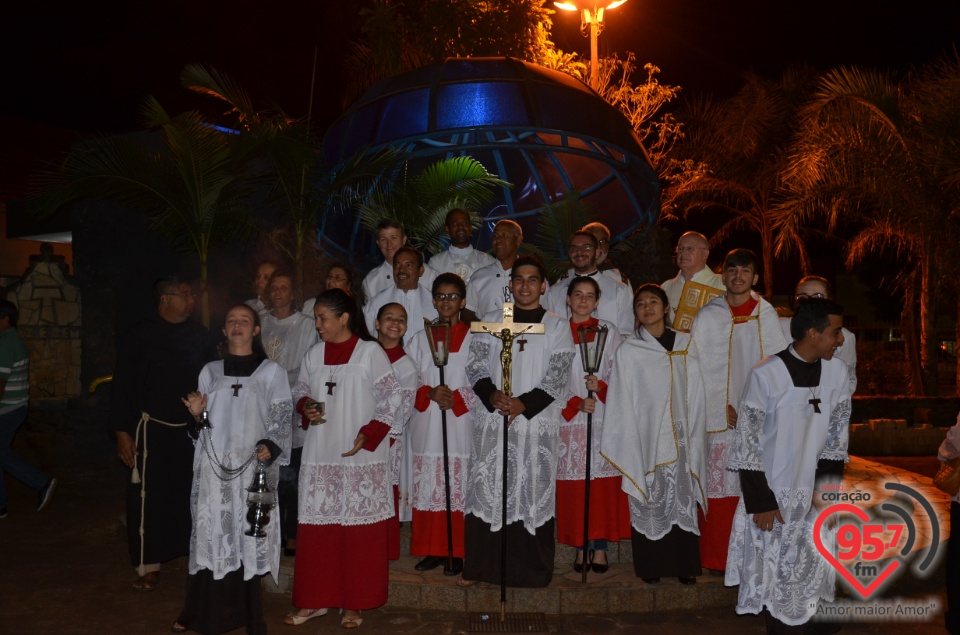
x=541 y=130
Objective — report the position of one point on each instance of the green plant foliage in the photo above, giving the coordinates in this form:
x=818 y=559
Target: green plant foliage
x=420 y=202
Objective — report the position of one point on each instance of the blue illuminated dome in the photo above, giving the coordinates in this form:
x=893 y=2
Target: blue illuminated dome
x=541 y=130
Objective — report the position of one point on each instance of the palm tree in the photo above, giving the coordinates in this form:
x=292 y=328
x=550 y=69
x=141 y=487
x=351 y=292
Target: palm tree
x=288 y=163
x=742 y=143
x=420 y=202
x=882 y=156
x=192 y=190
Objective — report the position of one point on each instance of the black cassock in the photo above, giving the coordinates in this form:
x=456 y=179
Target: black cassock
x=158 y=363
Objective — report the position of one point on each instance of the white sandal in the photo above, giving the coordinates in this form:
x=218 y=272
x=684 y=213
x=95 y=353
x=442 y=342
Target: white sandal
x=296 y=620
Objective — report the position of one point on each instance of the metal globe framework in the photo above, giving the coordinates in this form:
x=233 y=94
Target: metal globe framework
x=539 y=129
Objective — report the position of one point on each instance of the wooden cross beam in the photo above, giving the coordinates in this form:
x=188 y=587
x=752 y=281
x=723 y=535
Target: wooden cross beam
x=506 y=331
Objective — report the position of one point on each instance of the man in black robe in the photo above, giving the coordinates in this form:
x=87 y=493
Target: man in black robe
x=158 y=362
x=541 y=365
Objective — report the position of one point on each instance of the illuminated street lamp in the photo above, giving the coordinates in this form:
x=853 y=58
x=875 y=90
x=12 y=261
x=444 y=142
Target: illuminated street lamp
x=591 y=17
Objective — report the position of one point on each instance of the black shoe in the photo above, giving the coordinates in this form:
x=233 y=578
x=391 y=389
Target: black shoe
x=457 y=567
x=429 y=563
x=651 y=580
x=687 y=579
x=3 y=512
x=46 y=493
x=578 y=566
x=596 y=566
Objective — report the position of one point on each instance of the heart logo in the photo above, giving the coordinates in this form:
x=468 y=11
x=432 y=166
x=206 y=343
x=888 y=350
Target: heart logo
x=848 y=576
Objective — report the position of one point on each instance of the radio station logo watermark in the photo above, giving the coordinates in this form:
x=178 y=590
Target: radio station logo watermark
x=874 y=545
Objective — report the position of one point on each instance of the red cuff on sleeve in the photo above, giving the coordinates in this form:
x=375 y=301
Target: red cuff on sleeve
x=459 y=405
x=573 y=407
x=602 y=391
x=304 y=422
x=422 y=402
x=375 y=431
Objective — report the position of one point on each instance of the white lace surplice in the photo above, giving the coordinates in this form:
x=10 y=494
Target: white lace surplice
x=719 y=340
x=655 y=433
x=286 y=341
x=261 y=410
x=572 y=452
x=544 y=363
x=779 y=433
x=426 y=435
x=354 y=490
x=401 y=466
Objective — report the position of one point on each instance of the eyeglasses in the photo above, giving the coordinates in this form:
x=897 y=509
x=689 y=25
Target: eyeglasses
x=575 y=248
x=805 y=296
x=688 y=250
x=440 y=297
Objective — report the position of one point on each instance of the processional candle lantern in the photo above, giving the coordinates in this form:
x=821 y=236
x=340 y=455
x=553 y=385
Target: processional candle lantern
x=438 y=334
x=260 y=500
x=591 y=340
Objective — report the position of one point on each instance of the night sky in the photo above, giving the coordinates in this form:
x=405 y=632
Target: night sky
x=88 y=65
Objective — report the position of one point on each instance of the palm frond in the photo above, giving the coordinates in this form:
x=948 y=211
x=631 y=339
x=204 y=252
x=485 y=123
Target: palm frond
x=556 y=224
x=211 y=82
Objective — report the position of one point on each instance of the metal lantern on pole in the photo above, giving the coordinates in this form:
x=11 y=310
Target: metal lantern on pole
x=591 y=20
x=591 y=340
x=438 y=336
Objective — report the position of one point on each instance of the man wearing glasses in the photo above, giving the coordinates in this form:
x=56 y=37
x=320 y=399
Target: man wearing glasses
x=616 y=301
x=817 y=287
x=692 y=253
x=157 y=364
x=602 y=233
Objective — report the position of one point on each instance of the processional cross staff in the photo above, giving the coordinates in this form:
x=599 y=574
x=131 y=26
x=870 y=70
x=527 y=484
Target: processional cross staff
x=506 y=331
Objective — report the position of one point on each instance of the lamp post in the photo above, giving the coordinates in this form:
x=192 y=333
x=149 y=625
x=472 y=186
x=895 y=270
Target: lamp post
x=591 y=18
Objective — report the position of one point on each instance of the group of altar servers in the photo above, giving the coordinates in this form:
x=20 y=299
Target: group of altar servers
x=678 y=462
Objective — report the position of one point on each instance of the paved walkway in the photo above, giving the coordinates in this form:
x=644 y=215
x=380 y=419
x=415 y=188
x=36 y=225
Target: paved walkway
x=65 y=570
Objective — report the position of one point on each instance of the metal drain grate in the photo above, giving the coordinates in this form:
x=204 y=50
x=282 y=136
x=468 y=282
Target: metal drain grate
x=514 y=623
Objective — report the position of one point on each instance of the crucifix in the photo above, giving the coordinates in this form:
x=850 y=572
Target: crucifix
x=330 y=386
x=236 y=388
x=506 y=331
x=814 y=400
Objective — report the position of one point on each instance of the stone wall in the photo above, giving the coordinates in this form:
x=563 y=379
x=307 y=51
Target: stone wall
x=937 y=411
x=50 y=322
x=893 y=437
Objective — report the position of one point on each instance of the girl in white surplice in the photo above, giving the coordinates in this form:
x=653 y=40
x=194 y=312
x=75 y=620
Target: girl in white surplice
x=391 y=325
x=247 y=399
x=609 y=518
x=655 y=434
x=345 y=489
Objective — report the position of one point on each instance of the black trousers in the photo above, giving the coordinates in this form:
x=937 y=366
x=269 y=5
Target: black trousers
x=287 y=493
